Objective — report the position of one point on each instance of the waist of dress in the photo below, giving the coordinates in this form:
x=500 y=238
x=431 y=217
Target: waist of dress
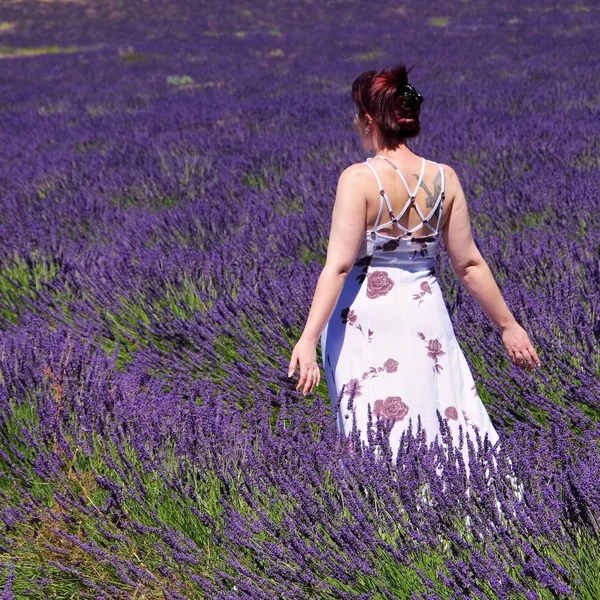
x=404 y=263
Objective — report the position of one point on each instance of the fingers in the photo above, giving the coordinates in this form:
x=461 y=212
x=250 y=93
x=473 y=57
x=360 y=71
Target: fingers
x=310 y=373
x=520 y=349
x=303 y=376
x=293 y=363
x=308 y=384
x=309 y=378
x=525 y=358
x=516 y=357
x=533 y=353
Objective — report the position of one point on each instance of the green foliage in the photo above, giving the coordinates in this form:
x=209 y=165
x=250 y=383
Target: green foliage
x=177 y=80
x=22 y=279
x=11 y=51
x=439 y=21
x=367 y=56
x=130 y=55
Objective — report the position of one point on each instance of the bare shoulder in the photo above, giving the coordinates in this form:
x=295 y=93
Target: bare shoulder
x=452 y=183
x=355 y=170
x=357 y=175
x=449 y=173
x=452 y=189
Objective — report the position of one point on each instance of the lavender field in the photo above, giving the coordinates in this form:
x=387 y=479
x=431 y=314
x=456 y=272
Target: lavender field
x=167 y=174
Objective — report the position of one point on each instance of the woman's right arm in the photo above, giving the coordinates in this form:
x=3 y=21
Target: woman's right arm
x=471 y=268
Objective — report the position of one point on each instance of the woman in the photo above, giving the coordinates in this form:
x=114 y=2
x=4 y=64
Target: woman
x=386 y=336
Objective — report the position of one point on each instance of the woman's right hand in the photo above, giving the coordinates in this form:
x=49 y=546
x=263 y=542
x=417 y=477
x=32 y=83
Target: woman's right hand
x=518 y=346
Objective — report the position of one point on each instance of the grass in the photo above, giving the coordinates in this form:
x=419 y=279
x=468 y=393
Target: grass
x=21 y=280
x=439 y=21
x=18 y=52
x=177 y=80
x=367 y=56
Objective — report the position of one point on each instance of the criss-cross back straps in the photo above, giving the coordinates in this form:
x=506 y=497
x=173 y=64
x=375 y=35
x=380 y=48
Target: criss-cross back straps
x=412 y=195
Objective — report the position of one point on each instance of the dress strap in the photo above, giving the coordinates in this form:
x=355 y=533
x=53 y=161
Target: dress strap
x=382 y=195
x=376 y=175
x=442 y=197
x=420 y=180
x=439 y=203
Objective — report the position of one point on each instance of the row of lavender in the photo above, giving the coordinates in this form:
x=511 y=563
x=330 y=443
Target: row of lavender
x=166 y=182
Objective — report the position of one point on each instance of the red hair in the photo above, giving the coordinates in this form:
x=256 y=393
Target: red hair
x=383 y=94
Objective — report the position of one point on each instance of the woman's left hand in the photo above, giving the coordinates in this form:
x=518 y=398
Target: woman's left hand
x=305 y=354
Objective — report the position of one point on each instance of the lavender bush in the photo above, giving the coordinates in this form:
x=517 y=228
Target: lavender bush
x=167 y=173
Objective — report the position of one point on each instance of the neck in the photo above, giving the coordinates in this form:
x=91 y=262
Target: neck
x=399 y=151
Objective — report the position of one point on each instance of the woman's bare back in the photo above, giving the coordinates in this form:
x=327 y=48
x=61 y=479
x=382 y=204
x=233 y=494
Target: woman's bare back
x=426 y=195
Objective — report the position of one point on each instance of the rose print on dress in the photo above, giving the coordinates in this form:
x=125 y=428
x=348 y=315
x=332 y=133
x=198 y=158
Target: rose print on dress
x=468 y=420
x=451 y=413
x=349 y=317
x=378 y=284
x=425 y=238
x=363 y=262
x=434 y=349
x=352 y=388
x=422 y=251
x=388 y=246
x=474 y=387
x=425 y=289
x=393 y=407
x=389 y=366
x=465 y=417
x=353 y=385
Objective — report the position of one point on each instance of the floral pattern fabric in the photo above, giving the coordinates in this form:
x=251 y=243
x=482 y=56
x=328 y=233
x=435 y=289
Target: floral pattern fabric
x=390 y=345
x=379 y=284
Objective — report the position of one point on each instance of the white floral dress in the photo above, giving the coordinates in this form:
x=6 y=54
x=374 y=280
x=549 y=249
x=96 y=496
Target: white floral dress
x=390 y=340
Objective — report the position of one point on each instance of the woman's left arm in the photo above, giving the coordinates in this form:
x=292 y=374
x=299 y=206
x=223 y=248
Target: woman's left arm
x=347 y=231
